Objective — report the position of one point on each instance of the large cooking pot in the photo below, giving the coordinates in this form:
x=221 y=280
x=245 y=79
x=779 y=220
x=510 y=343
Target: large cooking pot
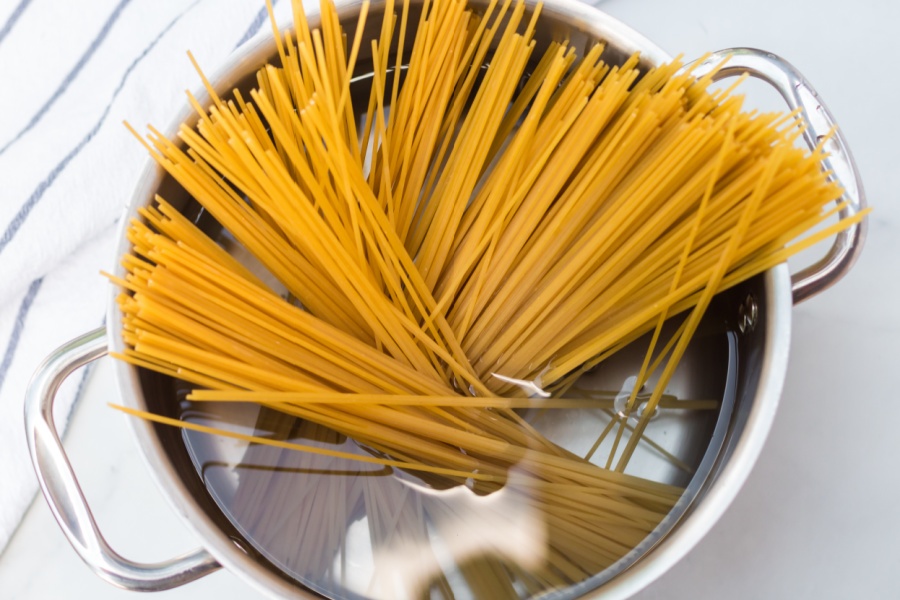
x=724 y=447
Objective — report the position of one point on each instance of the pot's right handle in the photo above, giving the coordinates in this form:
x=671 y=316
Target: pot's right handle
x=64 y=495
x=798 y=93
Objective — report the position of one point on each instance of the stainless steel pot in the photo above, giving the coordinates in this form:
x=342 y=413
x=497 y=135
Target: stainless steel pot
x=760 y=308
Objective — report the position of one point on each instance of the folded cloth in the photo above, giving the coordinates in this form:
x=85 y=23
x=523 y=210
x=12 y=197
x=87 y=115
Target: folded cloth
x=71 y=73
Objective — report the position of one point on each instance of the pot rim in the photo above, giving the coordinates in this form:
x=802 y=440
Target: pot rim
x=669 y=551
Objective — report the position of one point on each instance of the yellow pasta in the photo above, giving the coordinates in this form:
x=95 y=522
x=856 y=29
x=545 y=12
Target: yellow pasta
x=507 y=215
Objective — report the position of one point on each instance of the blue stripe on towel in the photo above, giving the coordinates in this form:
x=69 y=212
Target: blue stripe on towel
x=22 y=215
x=11 y=21
x=72 y=75
x=256 y=24
x=18 y=326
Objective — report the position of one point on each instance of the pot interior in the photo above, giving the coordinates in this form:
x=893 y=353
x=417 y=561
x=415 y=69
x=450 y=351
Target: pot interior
x=345 y=529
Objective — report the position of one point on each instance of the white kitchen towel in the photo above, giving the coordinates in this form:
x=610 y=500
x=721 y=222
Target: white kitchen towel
x=70 y=73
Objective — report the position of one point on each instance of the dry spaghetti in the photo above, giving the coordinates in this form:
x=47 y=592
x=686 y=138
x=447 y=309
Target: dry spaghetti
x=504 y=216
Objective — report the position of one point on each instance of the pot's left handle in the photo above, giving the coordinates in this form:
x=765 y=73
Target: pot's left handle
x=64 y=495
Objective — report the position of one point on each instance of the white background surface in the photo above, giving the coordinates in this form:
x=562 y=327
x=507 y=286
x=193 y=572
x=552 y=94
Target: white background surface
x=817 y=517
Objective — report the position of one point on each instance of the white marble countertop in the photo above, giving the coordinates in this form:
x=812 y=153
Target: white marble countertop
x=814 y=520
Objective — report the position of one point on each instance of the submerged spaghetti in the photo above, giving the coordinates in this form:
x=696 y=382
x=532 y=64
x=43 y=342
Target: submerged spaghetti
x=505 y=216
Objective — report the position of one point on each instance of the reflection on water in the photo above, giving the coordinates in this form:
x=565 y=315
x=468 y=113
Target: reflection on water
x=347 y=529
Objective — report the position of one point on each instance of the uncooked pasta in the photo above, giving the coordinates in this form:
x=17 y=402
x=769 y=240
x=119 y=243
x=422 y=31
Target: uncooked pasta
x=491 y=218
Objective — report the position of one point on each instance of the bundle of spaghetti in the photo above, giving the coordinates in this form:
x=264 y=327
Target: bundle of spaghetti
x=191 y=316
x=490 y=230
x=337 y=227
x=577 y=270
x=220 y=141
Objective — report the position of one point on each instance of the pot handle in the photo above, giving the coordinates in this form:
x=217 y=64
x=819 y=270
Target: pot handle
x=798 y=93
x=64 y=495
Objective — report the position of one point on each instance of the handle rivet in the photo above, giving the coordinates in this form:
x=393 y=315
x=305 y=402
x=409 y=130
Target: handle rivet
x=748 y=314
